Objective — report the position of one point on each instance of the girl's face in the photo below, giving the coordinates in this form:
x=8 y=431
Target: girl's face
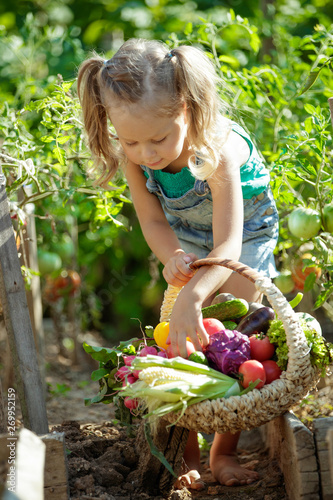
x=154 y=141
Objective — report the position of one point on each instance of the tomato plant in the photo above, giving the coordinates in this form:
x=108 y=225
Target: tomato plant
x=261 y=348
x=304 y=223
x=67 y=283
x=48 y=262
x=285 y=282
x=212 y=325
x=302 y=268
x=272 y=370
x=328 y=217
x=251 y=371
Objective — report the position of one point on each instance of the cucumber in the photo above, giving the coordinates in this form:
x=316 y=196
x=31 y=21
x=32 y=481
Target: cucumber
x=231 y=309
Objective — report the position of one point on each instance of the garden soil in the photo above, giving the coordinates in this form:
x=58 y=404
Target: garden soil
x=103 y=459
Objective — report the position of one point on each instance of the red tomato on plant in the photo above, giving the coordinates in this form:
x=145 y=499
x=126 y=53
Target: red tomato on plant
x=261 y=348
x=272 y=370
x=251 y=371
x=212 y=325
x=299 y=275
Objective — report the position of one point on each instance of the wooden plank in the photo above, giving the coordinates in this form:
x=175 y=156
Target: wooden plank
x=34 y=296
x=330 y=452
x=292 y=444
x=18 y=325
x=55 y=472
x=321 y=428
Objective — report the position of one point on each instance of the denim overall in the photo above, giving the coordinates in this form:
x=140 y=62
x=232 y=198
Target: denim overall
x=190 y=217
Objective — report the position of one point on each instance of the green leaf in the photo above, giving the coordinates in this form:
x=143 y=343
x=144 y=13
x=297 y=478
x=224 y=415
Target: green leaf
x=311 y=110
x=188 y=29
x=63 y=138
x=323 y=296
x=60 y=155
x=100 y=373
x=308 y=125
x=310 y=80
x=155 y=452
x=67 y=85
x=309 y=282
x=98 y=398
x=102 y=354
x=47 y=138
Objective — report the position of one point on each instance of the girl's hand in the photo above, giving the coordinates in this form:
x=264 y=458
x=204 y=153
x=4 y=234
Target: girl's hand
x=176 y=271
x=186 y=324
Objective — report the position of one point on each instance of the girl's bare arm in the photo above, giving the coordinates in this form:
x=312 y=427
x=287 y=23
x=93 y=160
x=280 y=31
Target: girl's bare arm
x=157 y=232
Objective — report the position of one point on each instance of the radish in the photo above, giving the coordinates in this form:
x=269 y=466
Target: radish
x=122 y=373
x=130 y=403
x=128 y=359
x=148 y=350
x=130 y=379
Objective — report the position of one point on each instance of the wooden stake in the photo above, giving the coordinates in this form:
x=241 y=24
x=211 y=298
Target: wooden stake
x=18 y=325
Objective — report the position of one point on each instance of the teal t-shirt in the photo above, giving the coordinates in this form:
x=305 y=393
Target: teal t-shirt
x=254 y=174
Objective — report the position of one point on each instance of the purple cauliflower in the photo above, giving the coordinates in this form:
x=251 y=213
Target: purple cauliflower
x=227 y=350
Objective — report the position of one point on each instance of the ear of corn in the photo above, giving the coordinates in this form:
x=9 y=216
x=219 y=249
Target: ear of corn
x=167 y=385
x=156 y=375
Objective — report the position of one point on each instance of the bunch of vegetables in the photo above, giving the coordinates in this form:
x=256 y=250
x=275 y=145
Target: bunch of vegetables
x=247 y=349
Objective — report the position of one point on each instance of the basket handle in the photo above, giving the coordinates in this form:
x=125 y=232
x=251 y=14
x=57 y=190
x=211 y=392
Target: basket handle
x=298 y=350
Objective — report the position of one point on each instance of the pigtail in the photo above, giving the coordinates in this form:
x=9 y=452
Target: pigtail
x=104 y=152
x=197 y=81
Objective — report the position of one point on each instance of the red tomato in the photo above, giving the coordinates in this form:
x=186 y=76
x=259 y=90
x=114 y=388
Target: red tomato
x=212 y=325
x=299 y=275
x=261 y=348
x=272 y=370
x=189 y=347
x=251 y=371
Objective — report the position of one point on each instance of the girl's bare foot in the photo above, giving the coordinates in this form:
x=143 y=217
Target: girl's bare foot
x=189 y=474
x=189 y=479
x=224 y=464
x=227 y=471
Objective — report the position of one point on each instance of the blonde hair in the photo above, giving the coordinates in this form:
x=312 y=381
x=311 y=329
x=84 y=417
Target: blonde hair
x=141 y=69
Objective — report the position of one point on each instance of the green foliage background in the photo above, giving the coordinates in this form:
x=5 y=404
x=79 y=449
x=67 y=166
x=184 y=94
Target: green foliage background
x=276 y=62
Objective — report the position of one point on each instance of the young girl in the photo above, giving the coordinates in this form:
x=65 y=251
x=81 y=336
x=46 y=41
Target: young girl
x=198 y=185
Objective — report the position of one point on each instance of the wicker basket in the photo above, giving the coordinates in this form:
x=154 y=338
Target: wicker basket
x=260 y=405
